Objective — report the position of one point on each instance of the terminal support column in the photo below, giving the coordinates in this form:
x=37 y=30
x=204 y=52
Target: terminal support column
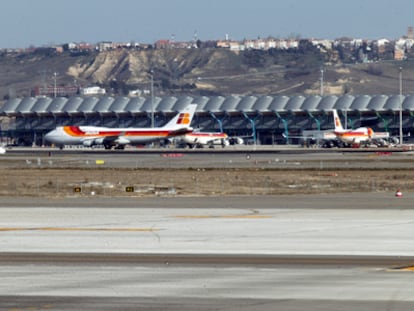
x=318 y=125
x=253 y=126
x=218 y=121
x=285 y=125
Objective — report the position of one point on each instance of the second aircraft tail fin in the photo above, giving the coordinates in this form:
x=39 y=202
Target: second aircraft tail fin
x=337 y=121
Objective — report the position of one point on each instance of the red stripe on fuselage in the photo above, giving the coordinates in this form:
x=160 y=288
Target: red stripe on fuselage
x=75 y=131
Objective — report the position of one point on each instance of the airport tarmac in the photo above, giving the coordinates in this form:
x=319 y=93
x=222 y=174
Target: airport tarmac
x=191 y=251
x=313 y=252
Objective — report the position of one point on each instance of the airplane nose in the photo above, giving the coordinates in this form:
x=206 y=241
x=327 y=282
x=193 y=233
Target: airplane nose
x=50 y=136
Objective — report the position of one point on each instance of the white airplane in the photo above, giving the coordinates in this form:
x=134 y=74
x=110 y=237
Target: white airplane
x=357 y=137
x=119 y=137
x=210 y=139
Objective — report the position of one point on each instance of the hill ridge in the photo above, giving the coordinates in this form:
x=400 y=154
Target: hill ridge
x=207 y=71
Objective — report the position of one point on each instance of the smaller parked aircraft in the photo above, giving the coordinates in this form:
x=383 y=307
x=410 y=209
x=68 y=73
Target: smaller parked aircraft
x=210 y=139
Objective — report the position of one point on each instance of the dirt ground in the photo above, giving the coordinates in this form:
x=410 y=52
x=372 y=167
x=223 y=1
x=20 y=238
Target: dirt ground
x=52 y=182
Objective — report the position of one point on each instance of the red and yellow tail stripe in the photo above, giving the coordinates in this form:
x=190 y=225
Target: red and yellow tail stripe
x=184 y=118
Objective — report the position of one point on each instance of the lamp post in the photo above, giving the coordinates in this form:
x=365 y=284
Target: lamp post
x=322 y=72
x=152 y=98
x=401 y=131
x=54 y=84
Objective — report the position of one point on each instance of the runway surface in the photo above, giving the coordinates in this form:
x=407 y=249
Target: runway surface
x=313 y=252
x=265 y=158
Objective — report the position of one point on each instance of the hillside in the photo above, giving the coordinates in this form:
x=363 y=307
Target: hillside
x=201 y=72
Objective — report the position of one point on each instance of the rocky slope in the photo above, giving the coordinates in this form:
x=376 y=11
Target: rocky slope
x=201 y=72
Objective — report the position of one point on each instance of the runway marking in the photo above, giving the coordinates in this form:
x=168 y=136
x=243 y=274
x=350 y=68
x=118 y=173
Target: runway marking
x=79 y=229
x=223 y=216
x=47 y=307
x=409 y=268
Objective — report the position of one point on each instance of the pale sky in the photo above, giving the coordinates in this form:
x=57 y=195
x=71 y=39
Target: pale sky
x=43 y=22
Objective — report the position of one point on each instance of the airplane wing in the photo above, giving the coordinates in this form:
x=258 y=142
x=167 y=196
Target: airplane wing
x=107 y=141
x=180 y=131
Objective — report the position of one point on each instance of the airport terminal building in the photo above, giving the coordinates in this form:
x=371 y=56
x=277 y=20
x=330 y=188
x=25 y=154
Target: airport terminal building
x=266 y=120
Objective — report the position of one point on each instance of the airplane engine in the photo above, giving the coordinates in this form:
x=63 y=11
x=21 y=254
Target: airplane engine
x=236 y=141
x=395 y=140
x=88 y=143
x=99 y=141
x=239 y=141
x=122 y=141
x=225 y=142
x=381 y=142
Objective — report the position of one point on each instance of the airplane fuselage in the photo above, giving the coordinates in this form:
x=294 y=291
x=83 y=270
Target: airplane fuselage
x=91 y=135
x=119 y=137
x=201 y=138
x=356 y=136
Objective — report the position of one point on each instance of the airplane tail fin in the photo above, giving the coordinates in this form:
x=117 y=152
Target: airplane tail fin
x=183 y=118
x=337 y=121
